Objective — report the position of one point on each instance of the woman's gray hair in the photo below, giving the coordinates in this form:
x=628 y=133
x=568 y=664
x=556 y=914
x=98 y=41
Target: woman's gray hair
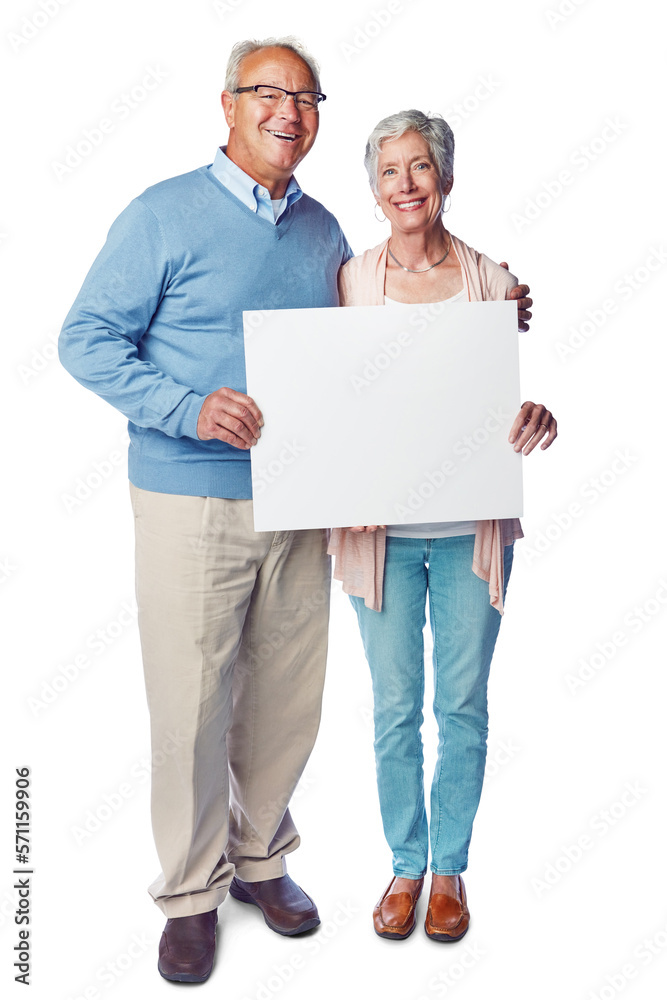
x=243 y=49
x=433 y=128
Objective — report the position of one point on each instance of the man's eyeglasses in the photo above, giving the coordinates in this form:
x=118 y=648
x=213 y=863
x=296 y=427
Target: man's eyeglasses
x=304 y=100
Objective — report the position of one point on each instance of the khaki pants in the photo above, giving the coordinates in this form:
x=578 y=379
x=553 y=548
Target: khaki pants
x=233 y=626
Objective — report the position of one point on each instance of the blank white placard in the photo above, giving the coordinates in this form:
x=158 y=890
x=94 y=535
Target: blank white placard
x=384 y=415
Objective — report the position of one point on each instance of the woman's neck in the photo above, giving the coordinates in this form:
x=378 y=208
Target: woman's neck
x=419 y=250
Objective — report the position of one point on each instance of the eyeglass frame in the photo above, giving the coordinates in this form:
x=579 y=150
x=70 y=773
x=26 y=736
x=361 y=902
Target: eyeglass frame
x=287 y=93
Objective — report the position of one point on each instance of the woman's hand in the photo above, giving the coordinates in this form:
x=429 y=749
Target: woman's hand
x=533 y=424
x=520 y=294
x=367 y=527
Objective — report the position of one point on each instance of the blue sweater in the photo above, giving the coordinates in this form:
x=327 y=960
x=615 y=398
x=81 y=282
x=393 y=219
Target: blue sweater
x=158 y=322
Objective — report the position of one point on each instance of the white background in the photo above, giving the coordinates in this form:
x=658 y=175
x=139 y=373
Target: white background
x=533 y=93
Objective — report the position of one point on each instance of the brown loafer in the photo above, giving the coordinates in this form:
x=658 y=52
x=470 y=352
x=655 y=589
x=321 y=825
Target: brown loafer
x=286 y=907
x=187 y=948
x=448 y=916
x=394 y=913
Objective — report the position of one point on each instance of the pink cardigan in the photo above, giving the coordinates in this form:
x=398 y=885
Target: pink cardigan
x=359 y=556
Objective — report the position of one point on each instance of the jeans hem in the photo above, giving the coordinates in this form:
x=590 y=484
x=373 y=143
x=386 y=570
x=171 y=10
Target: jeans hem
x=449 y=871
x=409 y=874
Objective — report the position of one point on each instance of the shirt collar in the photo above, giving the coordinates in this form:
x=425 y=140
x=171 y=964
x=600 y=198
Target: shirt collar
x=246 y=189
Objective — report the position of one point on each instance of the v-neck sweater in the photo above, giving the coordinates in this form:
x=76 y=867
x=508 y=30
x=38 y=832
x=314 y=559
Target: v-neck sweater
x=158 y=324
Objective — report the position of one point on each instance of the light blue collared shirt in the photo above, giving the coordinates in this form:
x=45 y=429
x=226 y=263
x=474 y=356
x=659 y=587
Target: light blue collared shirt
x=246 y=189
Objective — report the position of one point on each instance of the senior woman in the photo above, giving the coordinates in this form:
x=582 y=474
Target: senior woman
x=463 y=567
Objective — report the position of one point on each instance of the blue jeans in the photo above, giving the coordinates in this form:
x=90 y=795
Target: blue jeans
x=465 y=628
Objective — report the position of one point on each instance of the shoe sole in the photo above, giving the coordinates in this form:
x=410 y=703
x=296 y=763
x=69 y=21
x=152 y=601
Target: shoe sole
x=243 y=897
x=184 y=977
x=446 y=938
x=390 y=936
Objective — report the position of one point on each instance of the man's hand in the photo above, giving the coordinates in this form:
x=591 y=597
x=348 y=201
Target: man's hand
x=230 y=416
x=533 y=424
x=520 y=295
x=368 y=527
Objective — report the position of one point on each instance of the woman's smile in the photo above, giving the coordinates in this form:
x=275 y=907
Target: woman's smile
x=409 y=206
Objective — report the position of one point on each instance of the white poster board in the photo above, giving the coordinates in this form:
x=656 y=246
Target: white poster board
x=384 y=415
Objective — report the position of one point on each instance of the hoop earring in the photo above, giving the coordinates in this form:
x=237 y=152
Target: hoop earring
x=448 y=206
x=384 y=217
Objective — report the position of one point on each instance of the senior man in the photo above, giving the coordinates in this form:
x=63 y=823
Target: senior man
x=233 y=622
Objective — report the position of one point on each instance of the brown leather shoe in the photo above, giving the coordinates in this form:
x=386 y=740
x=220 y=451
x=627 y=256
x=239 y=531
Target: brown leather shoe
x=394 y=913
x=286 y=907
x=448 y=915
x=187 y=947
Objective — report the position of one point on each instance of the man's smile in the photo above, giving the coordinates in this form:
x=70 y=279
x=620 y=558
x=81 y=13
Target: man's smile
x=287 y=136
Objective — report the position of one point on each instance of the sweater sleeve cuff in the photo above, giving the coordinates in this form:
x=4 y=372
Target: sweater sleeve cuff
x=183 y=419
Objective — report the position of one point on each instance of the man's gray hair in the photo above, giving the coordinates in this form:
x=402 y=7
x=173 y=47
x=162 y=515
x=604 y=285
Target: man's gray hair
x=433 y=128
x=243 y=49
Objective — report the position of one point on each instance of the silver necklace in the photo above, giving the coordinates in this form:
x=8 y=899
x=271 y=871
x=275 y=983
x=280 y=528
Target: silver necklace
x=421 y=270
